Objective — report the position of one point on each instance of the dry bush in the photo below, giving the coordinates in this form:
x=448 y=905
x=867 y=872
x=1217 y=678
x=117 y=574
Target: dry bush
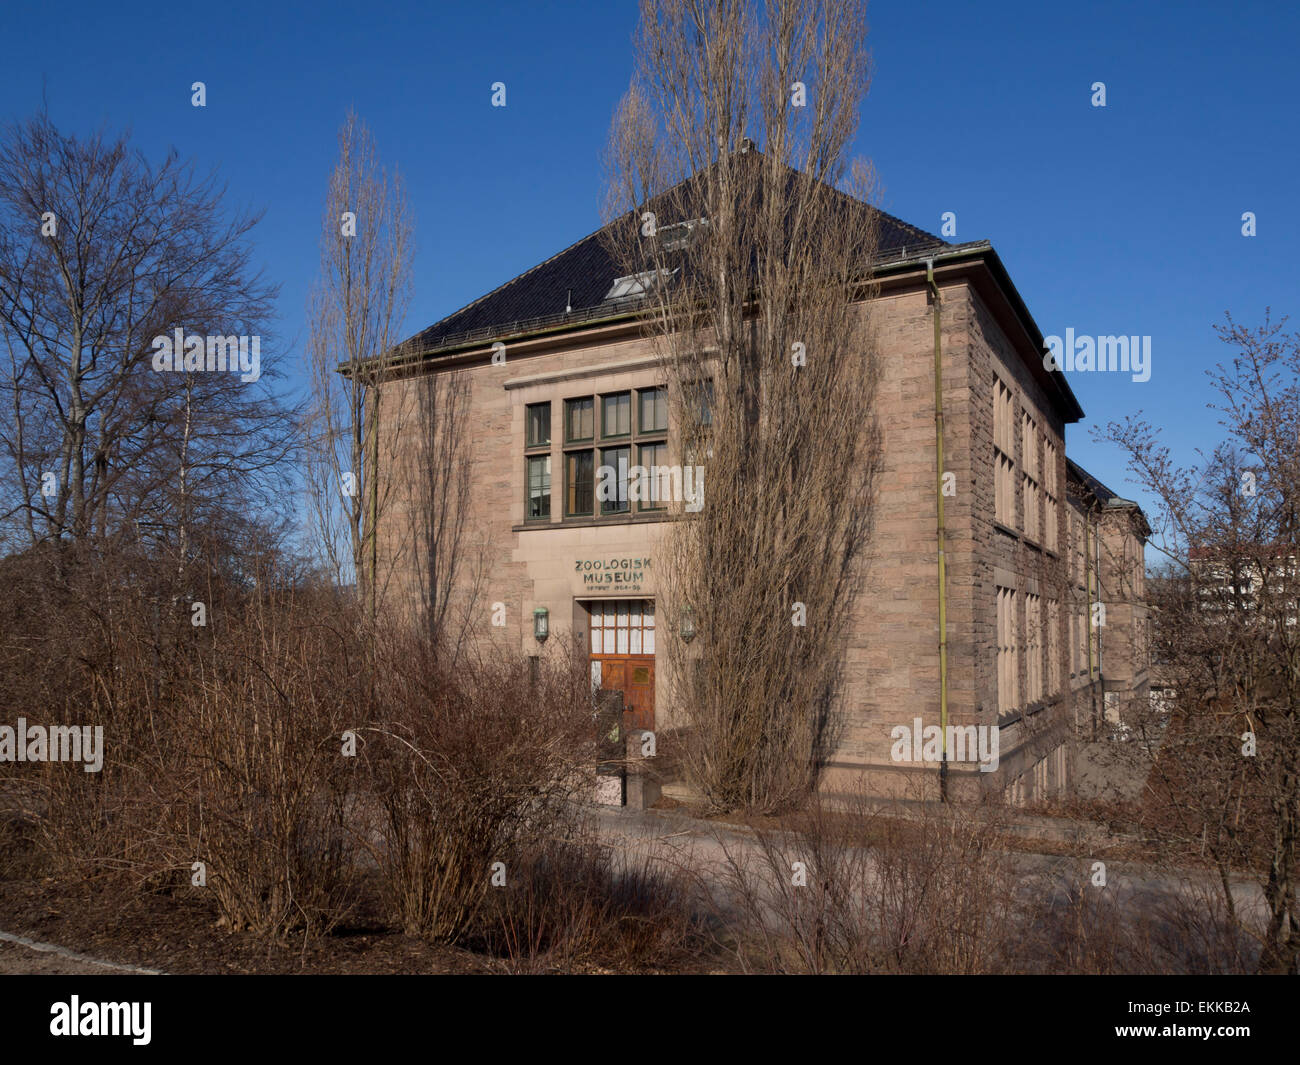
x=1076 y=928
x=81 y=643
x=261 y=791
x=468 y=768
x=221 y=741
x=573 y=904
x=880 y=893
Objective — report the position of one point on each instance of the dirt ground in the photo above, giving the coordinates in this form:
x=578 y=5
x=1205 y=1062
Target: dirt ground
x=177 y=935
x=17 y=959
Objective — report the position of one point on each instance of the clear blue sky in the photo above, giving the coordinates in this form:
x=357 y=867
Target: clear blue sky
x=1122 y=220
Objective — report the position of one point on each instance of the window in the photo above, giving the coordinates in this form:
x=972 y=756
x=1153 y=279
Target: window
x=1051 y=495
x=1074 y=643
x=1053 y=647
x=653 y=417
x=1008 y=652
x=623 y=627
x=539 y=488
x=604 y=474
x=701 y=404
x=578 y=484
x=635 y=285
x=1033 y=642
x=537 y=421
x=648 y=457
x=1094 y=638
x=613 y=493
x=537 y=462
x=1004 y=484
x=579 y=419
x=1029 y=463
x=698 y=418
x=616 y=415
x=1078 y=548
x=1081 y=641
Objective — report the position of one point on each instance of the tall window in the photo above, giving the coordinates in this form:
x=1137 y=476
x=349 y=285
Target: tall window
x=1053 y=647
x=698 y=422
x=1076 y=548
x=1051 y=495
x=654 y=410
x=1081 y=640
x=1004 y=444
x=603 y=437
x=1094 y=637
x=1008 y=655
x=1032 y=475
x=1033 y=649
x=537 y=462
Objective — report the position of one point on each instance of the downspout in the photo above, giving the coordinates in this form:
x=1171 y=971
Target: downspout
x=940 y=533
x=1087 y=585
x=374 y=508
x=1096 y=569
x=1100 y=691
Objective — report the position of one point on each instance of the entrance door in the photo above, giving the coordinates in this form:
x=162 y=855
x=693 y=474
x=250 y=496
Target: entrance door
x=623 y=643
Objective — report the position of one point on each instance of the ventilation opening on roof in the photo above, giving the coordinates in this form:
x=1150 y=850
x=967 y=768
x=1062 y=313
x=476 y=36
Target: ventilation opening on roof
x=680 y=234
x=635 y=285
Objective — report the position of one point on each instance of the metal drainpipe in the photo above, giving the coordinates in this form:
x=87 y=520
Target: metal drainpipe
x=1101 y=629
x=940 y=532
x=1088 y=574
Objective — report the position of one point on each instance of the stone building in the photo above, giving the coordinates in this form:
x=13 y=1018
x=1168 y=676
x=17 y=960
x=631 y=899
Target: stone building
x=559 y=380
x=1110 y=652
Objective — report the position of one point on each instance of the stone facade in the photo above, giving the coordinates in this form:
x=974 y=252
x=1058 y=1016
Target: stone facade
x=1012 y=598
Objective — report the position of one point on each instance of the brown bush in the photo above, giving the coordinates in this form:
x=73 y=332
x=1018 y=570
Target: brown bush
x=466 y=769
x=573 y=904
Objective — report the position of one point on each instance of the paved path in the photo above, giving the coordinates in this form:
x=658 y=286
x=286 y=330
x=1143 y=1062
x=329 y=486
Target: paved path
x=20 y=955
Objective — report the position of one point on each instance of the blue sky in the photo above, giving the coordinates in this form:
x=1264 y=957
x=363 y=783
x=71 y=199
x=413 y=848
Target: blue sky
x=1117 y=220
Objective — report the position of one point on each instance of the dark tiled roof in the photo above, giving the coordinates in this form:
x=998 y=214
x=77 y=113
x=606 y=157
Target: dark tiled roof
x=1077 y=473
x=588 y=269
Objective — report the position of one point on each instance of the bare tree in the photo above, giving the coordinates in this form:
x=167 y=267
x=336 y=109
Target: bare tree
x=356 y=311
x=104 y=260
x=754 y=266
x=1225 y=739
x=449 y=554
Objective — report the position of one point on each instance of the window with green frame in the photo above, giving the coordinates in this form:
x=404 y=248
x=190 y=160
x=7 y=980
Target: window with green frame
x=650 y=456
x=653 y=411
x=579 y=419
x=539 y=488
x=578 y=484
x=614 y=465
x=616 y=415
x=537 y=462
x=638 y=420
x=698 y=418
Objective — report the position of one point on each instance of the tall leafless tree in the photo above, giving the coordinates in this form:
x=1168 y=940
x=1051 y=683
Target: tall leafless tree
x=738 y=211
x=355 y=316
x=1224 y=739
x=101 y=254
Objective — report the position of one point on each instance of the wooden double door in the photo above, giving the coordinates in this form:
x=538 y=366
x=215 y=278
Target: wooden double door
x=622 y=646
